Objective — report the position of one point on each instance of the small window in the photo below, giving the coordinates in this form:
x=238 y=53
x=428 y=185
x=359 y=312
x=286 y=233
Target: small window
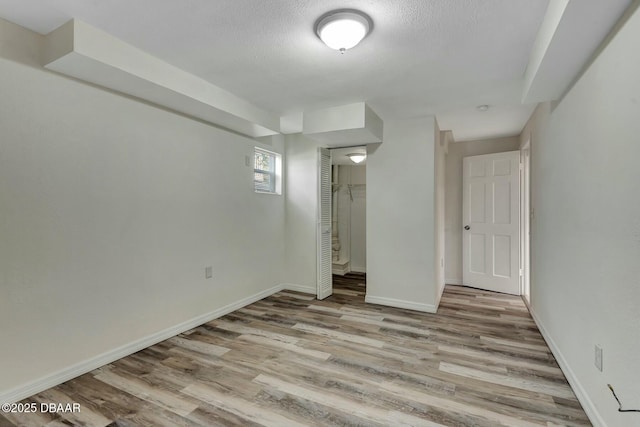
x=267 y=172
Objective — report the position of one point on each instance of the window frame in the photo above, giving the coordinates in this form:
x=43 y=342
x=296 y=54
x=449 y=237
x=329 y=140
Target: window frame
x=276 y=174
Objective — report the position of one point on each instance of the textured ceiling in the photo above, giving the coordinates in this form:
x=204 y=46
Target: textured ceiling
x=422 y=57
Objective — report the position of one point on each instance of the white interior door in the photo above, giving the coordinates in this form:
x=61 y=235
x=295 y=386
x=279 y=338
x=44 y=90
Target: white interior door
x=490 y=216
x=324 y=282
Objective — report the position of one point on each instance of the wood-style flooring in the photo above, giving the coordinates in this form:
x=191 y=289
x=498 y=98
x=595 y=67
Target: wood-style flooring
x=290 y=360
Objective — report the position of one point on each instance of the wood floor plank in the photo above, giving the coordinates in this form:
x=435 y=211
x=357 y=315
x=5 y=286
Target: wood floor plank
x=536 y=386
x=160 y=397
x=330 y=333
x=199 y=346
x=322 y=355
x=290 y=359
x=82 y=417
x=242 y=408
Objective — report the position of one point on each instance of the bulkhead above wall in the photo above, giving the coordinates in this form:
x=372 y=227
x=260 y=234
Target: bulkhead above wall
x=87 y=53
x=84 y=52
x=343 y=126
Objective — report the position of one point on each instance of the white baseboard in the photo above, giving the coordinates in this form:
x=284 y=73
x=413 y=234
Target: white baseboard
x=586 y=402
x=55 y=378
x=300 y=288
x=453 y=281
x=392 y=302
x=356 y=269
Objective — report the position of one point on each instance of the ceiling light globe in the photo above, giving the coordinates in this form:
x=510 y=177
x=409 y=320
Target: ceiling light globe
x=357 y=157
x=343 y=30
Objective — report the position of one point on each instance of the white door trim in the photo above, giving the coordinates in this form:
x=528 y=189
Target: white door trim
x=525 y=220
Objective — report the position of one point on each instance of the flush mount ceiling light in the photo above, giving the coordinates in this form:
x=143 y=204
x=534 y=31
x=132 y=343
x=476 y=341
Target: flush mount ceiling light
x=343 y=29
x=356 y=157
x=483 y=107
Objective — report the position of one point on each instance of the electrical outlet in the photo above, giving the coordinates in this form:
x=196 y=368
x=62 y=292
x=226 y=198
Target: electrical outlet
x=598 y=357
x=247 y=161
x=208 y=272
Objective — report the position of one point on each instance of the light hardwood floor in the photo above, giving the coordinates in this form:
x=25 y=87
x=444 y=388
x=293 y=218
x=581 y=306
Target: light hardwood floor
x=290 y=360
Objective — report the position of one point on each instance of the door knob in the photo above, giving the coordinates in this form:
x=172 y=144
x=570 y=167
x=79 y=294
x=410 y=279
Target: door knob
x=466 y=227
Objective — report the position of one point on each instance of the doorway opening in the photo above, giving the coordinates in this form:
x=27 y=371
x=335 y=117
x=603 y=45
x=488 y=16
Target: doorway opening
x=348 y=213
x=342 y=217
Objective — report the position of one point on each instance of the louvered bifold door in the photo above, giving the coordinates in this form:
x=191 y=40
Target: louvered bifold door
x=324 y=288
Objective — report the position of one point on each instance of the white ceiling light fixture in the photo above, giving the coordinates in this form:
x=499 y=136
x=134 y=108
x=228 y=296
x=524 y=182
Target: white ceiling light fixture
x=356 y=157
x=343 y=29
x=482 y=108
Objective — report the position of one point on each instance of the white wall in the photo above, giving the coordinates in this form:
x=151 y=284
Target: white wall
x=453 y=196
x=352 y=216
x=358 y=232
x=343 y=210
x=301 y=186
x=585 y=287
x=400 y=216
x=110 y=210
x=439 y=209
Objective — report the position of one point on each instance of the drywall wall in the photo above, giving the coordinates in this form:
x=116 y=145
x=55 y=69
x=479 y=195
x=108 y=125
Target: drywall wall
x=585 y=279
x=110 y=210
x=439 y=145
x=400 y=216
x=352 y=218
x=342 y=219
x=358 y=231
x=301 y=213
x=453 y=197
